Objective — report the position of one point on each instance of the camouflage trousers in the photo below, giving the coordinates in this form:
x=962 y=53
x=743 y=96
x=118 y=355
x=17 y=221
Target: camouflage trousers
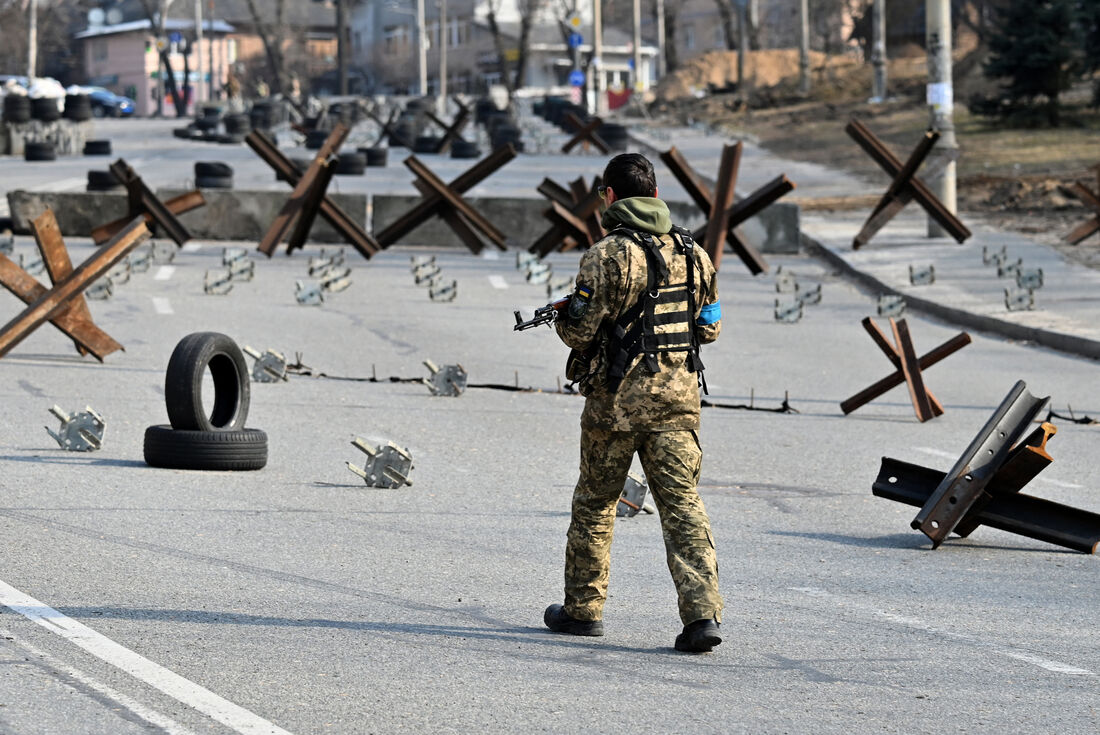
x=671 y=460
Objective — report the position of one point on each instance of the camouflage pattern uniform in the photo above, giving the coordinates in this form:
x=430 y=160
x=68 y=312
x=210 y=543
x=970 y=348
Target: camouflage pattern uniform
x=655 y=415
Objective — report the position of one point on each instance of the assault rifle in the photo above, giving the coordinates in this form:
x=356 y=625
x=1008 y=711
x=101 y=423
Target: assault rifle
x=543 y=315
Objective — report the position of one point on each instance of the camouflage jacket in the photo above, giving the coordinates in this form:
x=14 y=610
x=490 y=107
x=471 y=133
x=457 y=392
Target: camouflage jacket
x=615 y=270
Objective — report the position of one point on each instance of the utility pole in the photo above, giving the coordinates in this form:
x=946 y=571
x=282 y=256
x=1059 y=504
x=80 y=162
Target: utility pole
x=638 y=82
x=342 y=45
x=421 y=49
x=158 y=42
x=804 y=47
x=742 y=42
x=941 y=105
x=878 y=51
x=212 y=91
x=442 y=57
x=661 y=67
x=32 y=41
x=198 y=54
x=597 y=57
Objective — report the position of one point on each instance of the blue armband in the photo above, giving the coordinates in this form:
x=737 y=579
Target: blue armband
x=709 y=314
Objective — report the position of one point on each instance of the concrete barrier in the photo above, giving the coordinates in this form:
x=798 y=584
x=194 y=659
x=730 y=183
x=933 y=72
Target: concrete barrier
x=228 y=215
x=775 y=230
x=232 y=214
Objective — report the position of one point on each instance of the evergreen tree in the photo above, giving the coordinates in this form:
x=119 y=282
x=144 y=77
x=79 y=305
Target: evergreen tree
x=1036 y=47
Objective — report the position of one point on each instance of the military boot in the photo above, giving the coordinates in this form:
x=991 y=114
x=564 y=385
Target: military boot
x=559 y=621
x=700 y=636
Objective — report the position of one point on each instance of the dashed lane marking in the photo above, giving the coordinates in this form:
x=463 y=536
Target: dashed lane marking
x=162 y=305
x=164 y=272
x=498 y=282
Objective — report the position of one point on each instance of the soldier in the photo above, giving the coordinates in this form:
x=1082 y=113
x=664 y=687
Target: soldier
x=646 y=297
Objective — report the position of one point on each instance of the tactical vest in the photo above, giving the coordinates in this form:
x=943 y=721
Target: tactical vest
x=663 y=318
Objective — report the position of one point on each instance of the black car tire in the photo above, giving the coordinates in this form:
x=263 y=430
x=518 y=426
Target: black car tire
x=180 y=449
x=351 y=164
x=78 y=107
x=316 y=138
x=97 y=148
x=191 y=358
x=375 y=156
x=45 y=109
x=17 y=108
x=465 y=149
x=426 y=144
x=231 y=138
x=102 y=181
x=39 y=152
x=213 y=168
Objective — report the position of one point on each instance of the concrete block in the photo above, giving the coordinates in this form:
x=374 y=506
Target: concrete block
x=232 y=214
x=775 y=230
x=68 y=137
x=229 y=214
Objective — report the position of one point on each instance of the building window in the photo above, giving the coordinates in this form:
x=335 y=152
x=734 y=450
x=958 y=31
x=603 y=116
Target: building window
x=232 y=51
x=99 y=49
x=689 y=37
x=460 y=32
x=396 y=38
x=433 y=34
x=719 y=37
x=358 y=41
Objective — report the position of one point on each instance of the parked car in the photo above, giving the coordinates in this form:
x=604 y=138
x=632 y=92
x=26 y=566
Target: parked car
x=106 y=103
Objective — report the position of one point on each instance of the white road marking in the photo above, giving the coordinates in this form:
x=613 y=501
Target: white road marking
x=192 y=247
x=164 y=272
x=151 y=716
x=498 y=282
x=233 y=716
x=162 y=305
x=917 y=624
x=490 y=254
x=937 y=452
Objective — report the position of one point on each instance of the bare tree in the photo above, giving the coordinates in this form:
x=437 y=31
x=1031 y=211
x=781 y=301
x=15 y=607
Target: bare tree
x=725 y=11
x=672 y=56
x=273 y=37
x=528 y=10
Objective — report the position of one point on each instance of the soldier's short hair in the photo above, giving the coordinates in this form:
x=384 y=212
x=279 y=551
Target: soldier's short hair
x=630 y=175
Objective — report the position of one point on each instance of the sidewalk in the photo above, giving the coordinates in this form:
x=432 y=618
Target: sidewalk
x=1066 y=314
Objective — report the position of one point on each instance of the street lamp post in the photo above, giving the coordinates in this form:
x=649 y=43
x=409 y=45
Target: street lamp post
x=422 y=49
x=442 y=57
x=941 y=100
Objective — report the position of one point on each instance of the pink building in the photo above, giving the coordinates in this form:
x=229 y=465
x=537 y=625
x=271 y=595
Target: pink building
x=124 y=59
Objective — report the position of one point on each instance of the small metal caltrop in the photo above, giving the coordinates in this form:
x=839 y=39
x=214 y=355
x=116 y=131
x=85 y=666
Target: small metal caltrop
x=1030 y=279
x=632 y=501
x=922 y=276
x=218 y=281
x=7 y=242
x=421 y=260
x=891 y=305
x=444 y=292
x=424 y=275
x=308 y=294
x=270 y=366
x=524 y=260
x=556 y=289
x=120 y=273
x=33 y=265
x=788 y=313
x=242 y=269
x=79 y=432
x=1019 y=300
x=785 y=281
x=1009 y=270
x=163 y=252
x=449 y=380
x=141 y=259
x=388 y=467
x=102 y=290
x=810 y=296
x=991 y=257
x=539 y=273
x=232 y=255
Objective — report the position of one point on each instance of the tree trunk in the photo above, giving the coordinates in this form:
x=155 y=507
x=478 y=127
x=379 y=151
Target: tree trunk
x=726 y=12
x=524 y=48
x=498 y=44
x=672 y=58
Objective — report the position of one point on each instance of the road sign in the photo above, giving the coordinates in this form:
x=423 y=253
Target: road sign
x=575 y=40
x=575 y=20
x=175 y=36
x=576 y=78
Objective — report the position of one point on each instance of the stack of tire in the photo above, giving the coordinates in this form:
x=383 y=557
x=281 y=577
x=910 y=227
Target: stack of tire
x=17 y=108
x=614 y=135
x=103 y=181
x=236 y=128
x=262 y=115
x=207 y=123
x=426 y=144
x=316 y=138
x=97 y=148
x=351 y=164
x=375 y=156
x=213 y=175
x=482 y=109
x=407 y=128
x=503 y=131
x=195 y=440
x=39 y=151
x=463 y=148
x=45 y=109
x=78 y=107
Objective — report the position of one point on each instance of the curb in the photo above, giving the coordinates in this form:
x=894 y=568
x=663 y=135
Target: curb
x=1068 y=343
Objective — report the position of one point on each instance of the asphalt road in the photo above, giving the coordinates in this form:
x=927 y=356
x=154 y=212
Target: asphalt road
x=297 y=598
